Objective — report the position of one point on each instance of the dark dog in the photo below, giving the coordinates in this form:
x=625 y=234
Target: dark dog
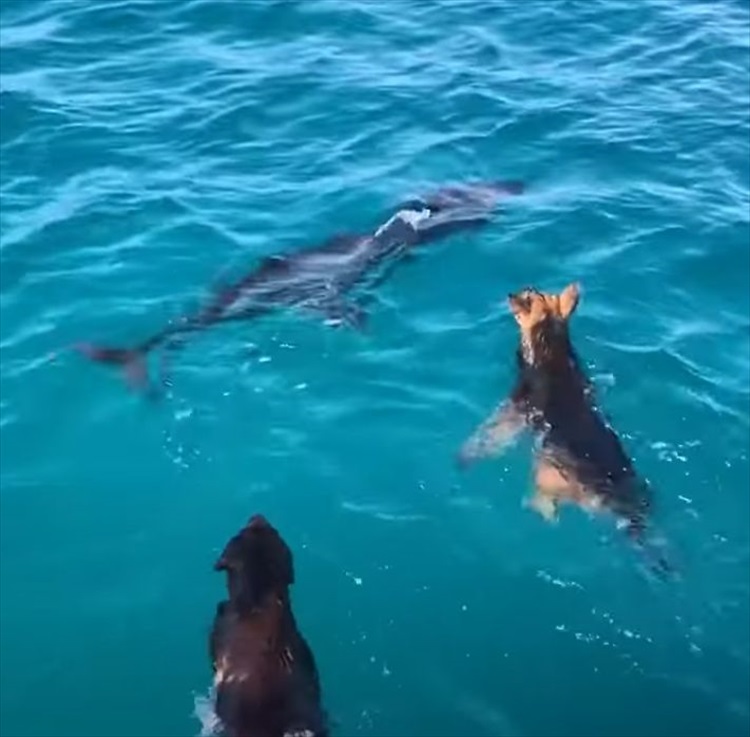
x=265 y=675
x=580 y=459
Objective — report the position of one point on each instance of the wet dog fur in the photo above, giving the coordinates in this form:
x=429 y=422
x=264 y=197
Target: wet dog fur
x=265 y=676
x=579 y=457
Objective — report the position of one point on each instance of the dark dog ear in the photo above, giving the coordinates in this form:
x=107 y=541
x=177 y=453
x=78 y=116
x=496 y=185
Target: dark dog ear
x=286 y=565
x=273 y=551
x=520 y=305
x=229 y=560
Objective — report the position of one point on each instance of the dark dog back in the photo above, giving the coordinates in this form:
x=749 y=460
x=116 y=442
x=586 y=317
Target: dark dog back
x=265 y=675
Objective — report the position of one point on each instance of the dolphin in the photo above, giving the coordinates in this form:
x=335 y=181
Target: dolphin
x=319 y=279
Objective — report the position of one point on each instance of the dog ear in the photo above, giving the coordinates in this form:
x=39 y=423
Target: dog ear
x=519 y=305
x=224 y=563
x=569 y=300
x=229 y=560
x=283 y=564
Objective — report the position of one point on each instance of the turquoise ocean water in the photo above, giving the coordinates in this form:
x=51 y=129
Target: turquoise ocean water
x=150 y=149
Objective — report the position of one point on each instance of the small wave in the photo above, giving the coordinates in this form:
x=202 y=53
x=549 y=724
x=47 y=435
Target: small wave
x=29 y=33
x=381 y=513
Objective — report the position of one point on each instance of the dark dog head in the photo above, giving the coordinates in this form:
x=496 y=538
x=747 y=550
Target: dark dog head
x=257 y=562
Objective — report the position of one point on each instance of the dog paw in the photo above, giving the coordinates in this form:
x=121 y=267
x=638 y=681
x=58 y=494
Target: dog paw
x=468 y=454
x=544 y=506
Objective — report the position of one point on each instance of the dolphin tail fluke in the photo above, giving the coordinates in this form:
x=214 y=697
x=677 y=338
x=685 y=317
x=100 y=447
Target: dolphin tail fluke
x=132 y=361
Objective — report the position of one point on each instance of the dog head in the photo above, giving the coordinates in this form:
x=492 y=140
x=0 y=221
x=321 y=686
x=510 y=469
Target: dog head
x=543 y=321
x=257 y=562
x=532 y=308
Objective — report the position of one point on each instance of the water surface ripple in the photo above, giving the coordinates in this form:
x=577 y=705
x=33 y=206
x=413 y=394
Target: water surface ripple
x=152 y=149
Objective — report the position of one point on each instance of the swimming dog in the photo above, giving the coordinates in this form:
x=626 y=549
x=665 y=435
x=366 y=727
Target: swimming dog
x=579 y=458
x=318 y=279
x=265 y=676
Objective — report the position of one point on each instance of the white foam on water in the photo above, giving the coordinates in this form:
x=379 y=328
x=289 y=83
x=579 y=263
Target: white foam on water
x=410 y=217
x=203 y=710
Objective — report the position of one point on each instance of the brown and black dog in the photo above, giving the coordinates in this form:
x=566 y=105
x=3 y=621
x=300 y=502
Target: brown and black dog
x=580 y=458
x=265 y=675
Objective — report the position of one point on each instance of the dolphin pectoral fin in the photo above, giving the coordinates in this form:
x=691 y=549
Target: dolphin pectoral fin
x=339 y=312
x=348 y=314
